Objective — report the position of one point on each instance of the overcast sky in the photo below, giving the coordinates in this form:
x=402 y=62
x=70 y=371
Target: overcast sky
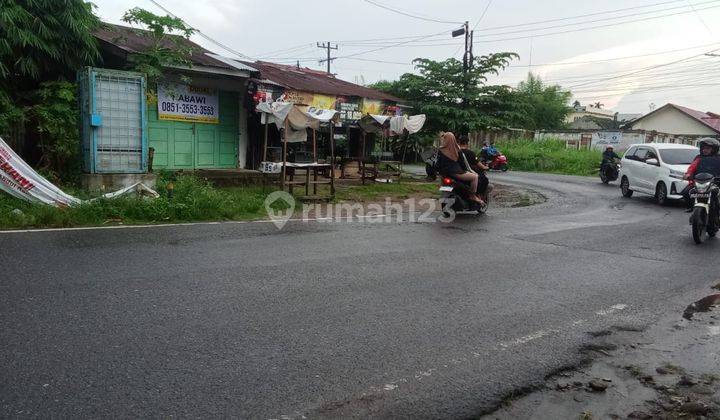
x=653 y=49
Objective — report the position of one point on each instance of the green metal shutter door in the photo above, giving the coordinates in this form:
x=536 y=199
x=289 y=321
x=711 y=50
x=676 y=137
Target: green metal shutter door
x=226 y=136
x=208 y=146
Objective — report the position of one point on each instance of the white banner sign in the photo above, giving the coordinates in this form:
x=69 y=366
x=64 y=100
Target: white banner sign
x=188 y=103
x=18 y=179
x=606 y=138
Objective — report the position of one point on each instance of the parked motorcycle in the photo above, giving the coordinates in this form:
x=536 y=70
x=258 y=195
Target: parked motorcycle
x=705 y=217
x=451 y=198
x=609 y=171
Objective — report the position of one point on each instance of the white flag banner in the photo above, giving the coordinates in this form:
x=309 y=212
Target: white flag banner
x=18 y=179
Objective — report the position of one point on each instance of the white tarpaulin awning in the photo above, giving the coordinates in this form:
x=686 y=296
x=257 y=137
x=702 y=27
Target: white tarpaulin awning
x=298 y=119
x=373 y=123
x=18 y=179
x=398 y=125
x=381 y=119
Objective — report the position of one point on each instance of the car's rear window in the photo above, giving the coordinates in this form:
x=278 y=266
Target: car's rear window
x=678 y=156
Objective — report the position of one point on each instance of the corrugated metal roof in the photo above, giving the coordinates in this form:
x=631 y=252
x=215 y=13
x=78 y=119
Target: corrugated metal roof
x=233 y=62
x=710 y=119
x=134 y=40
x=315 y=81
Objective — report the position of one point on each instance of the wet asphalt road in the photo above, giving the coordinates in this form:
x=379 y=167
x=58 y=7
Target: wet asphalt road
x=333 y=320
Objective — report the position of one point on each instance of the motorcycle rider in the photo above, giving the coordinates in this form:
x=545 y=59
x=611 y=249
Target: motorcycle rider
x=489 y=151
x=707 y=161
x=609 y=156
x=477 y=166
x=448 y=165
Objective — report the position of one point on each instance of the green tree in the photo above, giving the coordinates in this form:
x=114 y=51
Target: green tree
x=452 y=99
x=539 y=106
x=42 y=44
x=55 y=114
x=169 y=46
x=43 y=39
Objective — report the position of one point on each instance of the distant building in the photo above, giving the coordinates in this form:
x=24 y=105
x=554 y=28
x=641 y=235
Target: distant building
x=668 y=124
x=581 y=112
x=626 y=118
x=678 y=121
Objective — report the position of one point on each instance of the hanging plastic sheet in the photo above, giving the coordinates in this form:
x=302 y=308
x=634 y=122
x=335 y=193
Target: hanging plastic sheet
x=373 y=123
x=415 y=123
x=299 y=118
x=18 y=179
x=400 y=124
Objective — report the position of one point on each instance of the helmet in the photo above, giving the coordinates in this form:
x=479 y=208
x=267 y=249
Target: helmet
x=609 y=147
x=709 y=142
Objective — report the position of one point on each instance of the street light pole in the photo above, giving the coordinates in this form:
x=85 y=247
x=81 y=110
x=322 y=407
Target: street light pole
x=467 y=55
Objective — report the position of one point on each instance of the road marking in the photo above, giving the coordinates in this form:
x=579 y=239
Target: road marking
x=420 y=375
x=163 y=225
x=528 y=338
x=614 y=308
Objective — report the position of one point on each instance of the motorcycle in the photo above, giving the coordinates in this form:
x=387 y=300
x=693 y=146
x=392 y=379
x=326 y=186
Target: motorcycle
x=706 y=209
x=453 y=192
x=452 y=202
x=609 y=171
x=498 y=163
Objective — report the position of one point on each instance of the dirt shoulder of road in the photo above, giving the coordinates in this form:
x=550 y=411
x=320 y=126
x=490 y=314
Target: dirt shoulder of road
x=670 y=370
x=414 y=197
x=197 y=202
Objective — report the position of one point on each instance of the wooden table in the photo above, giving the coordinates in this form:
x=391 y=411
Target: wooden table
x=312 y=167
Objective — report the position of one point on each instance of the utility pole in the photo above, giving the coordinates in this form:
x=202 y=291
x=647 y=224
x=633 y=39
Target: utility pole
x=327 y=47
x=467 y=56
x=472 y=57
x=465 y=30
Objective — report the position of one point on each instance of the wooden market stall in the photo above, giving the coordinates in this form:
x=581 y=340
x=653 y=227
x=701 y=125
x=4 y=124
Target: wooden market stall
x=294 y=121
x=384 y=163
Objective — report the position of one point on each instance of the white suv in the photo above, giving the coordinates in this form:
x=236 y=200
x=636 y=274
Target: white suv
x=656 y=169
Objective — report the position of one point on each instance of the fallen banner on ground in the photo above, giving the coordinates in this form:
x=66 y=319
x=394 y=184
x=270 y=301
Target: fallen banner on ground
x=18 y=179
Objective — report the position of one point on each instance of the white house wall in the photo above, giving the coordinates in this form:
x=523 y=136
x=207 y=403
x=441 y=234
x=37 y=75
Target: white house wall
x=670 y=120
x=627 y=139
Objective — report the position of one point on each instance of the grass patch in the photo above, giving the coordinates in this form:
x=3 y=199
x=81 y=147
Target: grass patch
x=550 y=156
x=193 y=200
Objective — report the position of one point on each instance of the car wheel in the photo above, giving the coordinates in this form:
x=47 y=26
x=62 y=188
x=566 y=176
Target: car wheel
x=661 y=194
x=625 y=187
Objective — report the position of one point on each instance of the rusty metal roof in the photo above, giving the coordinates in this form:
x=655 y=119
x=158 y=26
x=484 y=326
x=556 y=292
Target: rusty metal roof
x=134 y=40
x=314 y=81
x=709 y=119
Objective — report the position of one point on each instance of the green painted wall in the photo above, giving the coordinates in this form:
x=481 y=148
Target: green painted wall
x=183 y=145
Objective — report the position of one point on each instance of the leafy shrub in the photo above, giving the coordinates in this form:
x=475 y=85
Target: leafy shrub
x=55 y=117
